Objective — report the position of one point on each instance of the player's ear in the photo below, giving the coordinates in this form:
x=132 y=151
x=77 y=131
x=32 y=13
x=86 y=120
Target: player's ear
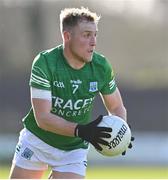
x=66 y=35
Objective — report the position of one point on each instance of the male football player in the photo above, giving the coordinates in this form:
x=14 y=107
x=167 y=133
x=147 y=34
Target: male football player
x=64 y=82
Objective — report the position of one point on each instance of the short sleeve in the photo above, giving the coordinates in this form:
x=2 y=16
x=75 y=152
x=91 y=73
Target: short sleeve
x=40 y=76
x=109 y=82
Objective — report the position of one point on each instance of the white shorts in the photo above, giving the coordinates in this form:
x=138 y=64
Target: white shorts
x=34 y=154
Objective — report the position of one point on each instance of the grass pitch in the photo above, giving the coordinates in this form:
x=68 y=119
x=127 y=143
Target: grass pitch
x=127 y=173
x=112 y=172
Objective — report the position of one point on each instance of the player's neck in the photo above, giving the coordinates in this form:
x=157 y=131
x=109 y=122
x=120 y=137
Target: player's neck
x=73 y=60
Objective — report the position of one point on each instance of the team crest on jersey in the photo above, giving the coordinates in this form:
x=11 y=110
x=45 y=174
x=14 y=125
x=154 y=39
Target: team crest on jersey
x=93 y=87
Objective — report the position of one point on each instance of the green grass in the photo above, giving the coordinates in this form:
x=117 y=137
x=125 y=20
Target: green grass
x=113 y=172
x=128 y=173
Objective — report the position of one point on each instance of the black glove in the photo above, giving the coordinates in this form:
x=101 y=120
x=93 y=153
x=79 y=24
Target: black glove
x=93 y=134
x=130 y=145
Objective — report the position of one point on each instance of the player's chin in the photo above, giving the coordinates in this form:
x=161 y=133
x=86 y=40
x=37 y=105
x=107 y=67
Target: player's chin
x=88 y=59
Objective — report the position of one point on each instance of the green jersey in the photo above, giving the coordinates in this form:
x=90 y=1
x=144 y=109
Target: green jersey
x=73 y=92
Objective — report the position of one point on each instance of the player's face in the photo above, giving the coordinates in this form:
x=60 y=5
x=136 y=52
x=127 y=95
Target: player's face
x=83 y=41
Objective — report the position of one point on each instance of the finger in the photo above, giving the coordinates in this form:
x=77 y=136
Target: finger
x=123 y=153
x=105 y=129
x=130 y=145
x=100 y=117
x=97 y=146
x=132 y=138
x=98 y=120
x=104 y=135
x=103 y=142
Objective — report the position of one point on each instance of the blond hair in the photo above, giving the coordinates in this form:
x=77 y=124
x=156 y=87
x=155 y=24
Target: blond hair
x=70 y=17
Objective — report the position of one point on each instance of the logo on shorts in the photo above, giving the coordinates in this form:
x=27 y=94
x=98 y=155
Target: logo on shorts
x=27 y=154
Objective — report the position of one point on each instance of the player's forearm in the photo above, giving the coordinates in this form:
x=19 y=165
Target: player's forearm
x=121 y=112
x=55 y=124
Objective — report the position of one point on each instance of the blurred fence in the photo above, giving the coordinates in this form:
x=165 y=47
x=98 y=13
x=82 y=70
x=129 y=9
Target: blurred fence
x=149 y=149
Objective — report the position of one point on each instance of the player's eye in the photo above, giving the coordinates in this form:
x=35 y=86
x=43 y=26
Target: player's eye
x=87 y=34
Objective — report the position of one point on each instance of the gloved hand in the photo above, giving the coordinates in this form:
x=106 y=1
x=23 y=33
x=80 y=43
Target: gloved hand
x=93 y=134
x=130 y=145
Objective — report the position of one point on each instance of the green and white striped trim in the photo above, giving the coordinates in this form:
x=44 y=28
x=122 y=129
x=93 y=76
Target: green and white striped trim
x=40 y=81
x=39 y=71
x=112 y=84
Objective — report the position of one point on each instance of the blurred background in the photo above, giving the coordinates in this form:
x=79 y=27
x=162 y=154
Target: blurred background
x=133 y=35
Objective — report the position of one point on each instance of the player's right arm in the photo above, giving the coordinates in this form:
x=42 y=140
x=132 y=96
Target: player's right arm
x=48 y=121
x=40 y=86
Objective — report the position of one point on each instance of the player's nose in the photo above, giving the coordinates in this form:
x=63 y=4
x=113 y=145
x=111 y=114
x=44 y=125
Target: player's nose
x=93 y=41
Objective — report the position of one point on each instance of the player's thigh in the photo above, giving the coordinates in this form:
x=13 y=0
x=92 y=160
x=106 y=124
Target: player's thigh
x=21 y=173
x=65 y=175
x=69 y=171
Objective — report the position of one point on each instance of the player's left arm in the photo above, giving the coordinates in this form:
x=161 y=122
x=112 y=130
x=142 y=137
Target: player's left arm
x=114 y=104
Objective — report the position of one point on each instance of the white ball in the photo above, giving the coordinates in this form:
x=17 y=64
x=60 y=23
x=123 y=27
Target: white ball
x=120 y=135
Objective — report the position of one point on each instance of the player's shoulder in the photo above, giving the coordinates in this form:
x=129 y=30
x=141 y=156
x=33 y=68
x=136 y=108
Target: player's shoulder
x=53 y=51
x=48 y=56
x=100 y=60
